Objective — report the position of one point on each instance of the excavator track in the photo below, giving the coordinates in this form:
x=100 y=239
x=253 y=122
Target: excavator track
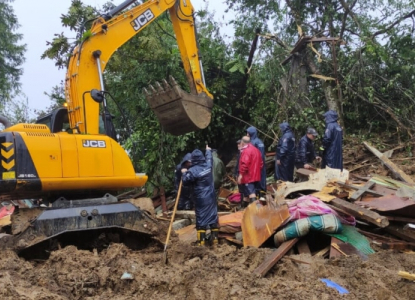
x=86 y=220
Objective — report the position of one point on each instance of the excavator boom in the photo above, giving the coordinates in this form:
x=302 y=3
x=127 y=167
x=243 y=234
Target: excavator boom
x=179 y=112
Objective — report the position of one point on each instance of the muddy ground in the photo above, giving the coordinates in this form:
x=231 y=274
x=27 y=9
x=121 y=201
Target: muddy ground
x=203 y=273
x=200 y=273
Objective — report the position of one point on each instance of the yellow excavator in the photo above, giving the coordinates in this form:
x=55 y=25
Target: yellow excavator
x=71 y=158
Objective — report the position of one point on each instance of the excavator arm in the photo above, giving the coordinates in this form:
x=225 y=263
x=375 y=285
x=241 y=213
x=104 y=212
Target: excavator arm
x=178 y=111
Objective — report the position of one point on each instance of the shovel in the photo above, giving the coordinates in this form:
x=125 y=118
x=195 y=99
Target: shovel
x=171 y=222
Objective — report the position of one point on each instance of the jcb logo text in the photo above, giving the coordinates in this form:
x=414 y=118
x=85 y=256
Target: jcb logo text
x=93 y=144
x=142 y=19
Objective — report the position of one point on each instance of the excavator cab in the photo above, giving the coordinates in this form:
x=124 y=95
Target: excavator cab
x=57 y=120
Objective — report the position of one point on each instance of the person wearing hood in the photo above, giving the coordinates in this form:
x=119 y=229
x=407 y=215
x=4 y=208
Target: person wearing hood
x=186 y=195
x=332 y=142
x=259 y=144
x=306 y=153
x=218 y=170
x=200 y=175
x=285 y=154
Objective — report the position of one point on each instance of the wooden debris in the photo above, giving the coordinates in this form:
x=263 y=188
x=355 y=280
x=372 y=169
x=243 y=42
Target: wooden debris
x=322 y=252
x=398 y=231
x=234 y=241
x=360 y=190
x=187 y=234
x=407 y=275
x=347 y=250
x=296 y=260
x=144 y=204
x=336 y=246
x=5 y=221
x=190 y=214
x=397 y=172
x=272 y=259
x=402 y=246
x=360 y=212
x=333 y=251
x=302 y=247
x=315 y=182
x=401 y=219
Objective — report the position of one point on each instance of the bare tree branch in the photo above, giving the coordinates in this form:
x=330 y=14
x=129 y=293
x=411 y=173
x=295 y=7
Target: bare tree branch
x=409 y=15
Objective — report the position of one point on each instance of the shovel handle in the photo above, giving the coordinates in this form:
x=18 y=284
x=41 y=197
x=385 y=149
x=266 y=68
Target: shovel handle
x=174 y=214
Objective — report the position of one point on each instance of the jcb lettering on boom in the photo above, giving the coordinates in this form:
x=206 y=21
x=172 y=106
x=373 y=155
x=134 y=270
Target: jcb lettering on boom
x=93 y=144
x=142 y=19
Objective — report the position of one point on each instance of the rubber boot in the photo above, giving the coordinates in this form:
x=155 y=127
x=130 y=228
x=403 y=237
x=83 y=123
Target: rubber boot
x=201 y=237
x=214 y=237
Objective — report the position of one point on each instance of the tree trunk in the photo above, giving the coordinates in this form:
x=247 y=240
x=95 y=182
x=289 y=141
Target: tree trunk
x=331 y=95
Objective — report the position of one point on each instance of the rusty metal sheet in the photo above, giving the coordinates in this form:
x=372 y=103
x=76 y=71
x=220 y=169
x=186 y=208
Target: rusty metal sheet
x=391 y=204
x=259 y=222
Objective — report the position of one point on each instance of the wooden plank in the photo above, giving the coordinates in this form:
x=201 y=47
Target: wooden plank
x=275 y=256
x=400 y=219
x=397 y=172
x=302 y=247
x=401 y=233
x=333 y=251
x=363 y=188
x=322 y=252
x=407 y=275
x=360 y=212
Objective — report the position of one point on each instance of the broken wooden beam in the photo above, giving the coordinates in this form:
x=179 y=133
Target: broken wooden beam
x=323 y=252
x=396 y=171
x=398 y=231
x=275 y=256
x=360 y=190
x=360 y=212
x=302 y=247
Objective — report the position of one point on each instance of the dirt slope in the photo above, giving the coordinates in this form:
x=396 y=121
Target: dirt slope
x=199 y=273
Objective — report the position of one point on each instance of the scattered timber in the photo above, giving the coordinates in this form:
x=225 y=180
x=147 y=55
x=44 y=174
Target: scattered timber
x=397 y=172
x=275 y=256
x=361 y=213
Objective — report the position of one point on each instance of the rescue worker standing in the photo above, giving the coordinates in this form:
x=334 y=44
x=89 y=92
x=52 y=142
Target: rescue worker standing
x=305 y=150
x=285 y=154
x=332 y=142
x=201 y=177
x=250 y=165
x=259 y=144
x=218 y=170
x=186 y=195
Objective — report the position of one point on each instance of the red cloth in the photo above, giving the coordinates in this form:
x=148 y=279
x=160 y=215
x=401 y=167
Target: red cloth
x=250 y=164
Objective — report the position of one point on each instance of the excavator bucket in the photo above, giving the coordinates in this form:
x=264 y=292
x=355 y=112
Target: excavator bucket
x=178 y=111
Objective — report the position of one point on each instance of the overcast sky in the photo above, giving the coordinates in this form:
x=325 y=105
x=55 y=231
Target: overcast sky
x=39 y=21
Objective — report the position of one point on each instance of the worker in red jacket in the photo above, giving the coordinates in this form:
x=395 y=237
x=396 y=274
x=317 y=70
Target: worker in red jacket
x=250 y=165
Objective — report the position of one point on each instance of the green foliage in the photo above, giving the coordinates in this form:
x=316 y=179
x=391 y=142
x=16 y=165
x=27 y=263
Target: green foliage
x=373 y=71
x=11 y=53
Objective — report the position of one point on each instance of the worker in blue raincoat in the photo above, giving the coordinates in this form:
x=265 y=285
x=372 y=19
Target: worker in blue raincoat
x=285 y=154
x=259 y=144
x=201 y=176
x=332 y=142
x=186 y=195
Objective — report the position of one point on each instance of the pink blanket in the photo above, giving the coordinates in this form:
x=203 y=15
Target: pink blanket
x=308 y=205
